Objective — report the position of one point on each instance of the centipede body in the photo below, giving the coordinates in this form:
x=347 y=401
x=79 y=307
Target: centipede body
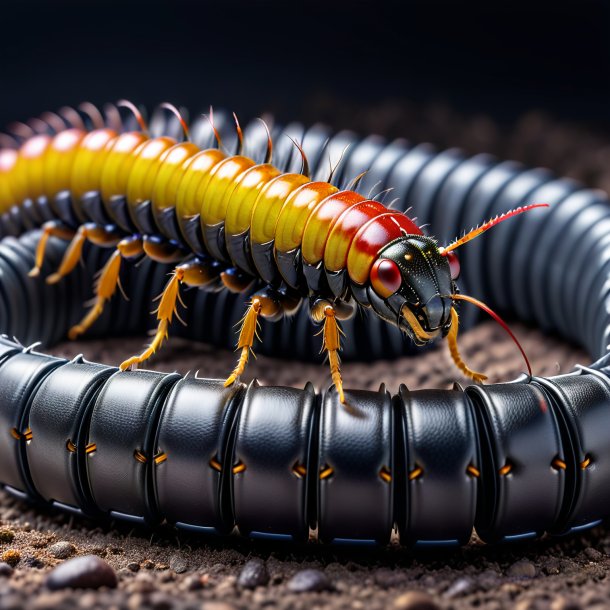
x=515 y=459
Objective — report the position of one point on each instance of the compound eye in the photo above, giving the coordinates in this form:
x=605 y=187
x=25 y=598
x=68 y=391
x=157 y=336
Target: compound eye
x=385 y=277
x=454 y=265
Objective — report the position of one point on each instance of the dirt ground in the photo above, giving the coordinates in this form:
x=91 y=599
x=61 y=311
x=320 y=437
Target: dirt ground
x=163 y=570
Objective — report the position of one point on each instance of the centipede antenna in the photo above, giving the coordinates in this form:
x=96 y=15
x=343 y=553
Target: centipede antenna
x=334 y=169
x=92 y=111
x=180 y=118
x=488 y=225
x=269 y=153
x=54 y=121
x=305 y=163
x=136 y=112
x=353 y=185
x=240 y=135
x=210 y=118
x=113 y=117
x=21 y=130
x=498 y=319
x=72 y=117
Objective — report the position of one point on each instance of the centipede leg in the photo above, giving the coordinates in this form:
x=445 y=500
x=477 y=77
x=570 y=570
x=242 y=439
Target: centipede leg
x=266 y=303
x=101 y=236
x=455 y=354
x=52 y=228
x=194 y=273
x=109 y=279
x=324 y=311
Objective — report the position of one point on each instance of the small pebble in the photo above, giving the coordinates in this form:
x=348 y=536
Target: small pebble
x=415 y=600
x=6 y=535
x=134 y=566
x=147 y=564
x=5 y=569
x=62 y=550
x=309 y=580
x=253 y=574
x=12 y=557
x=522 y=569
x=178 y=563
x=87 y=572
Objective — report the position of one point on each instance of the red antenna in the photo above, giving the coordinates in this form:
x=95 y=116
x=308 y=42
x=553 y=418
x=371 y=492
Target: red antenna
x=179 y=116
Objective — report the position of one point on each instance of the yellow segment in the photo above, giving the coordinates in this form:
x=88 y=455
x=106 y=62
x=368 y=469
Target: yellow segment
x=89 y=161
x=8 y=160
x=145 y=168
x=171 y=172
x=244 y=195
x=295 y=212
x=214 y=196
x=118 y=164
x=28 y=172
x=59 y=160
x=196 y=171
x=269 y=205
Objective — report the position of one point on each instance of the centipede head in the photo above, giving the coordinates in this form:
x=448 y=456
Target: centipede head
x=409 y=286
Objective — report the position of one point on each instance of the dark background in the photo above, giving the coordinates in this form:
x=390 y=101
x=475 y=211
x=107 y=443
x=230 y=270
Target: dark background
x=498 y=58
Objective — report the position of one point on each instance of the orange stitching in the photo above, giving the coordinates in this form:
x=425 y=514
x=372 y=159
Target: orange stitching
x=559 y=464
x=473 y=471
x=139 y=456
x=298 y=470
x=385 y=474
x=239 y=467
x=416 y=473
x=326 y=472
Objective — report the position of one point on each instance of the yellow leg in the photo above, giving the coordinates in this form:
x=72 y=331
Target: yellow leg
x=193 y=273
x=331 y=334
x=92 y=232
x=52 y=228
x=455 y=354
x=246 y=338
x=107 y=283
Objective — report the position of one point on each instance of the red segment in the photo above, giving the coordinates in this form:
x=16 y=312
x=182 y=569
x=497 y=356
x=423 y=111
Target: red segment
x=373 y=236
x=385 y=277
x=345 y=229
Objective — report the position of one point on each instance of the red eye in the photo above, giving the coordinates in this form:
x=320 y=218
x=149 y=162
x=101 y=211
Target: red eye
x=385 y=277
x=454 y=265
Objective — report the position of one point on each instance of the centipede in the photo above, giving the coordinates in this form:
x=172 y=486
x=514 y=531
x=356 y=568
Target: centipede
x=301 y=236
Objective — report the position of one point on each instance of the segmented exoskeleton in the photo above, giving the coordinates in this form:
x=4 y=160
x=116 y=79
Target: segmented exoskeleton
x=516 y=459
x=227 y=221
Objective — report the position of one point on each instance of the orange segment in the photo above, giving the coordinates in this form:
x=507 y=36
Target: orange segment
x=321 y=222
x=345 y=229
x=295 y=213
